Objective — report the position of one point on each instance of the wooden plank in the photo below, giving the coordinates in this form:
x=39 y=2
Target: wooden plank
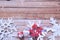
x=30 y=16
x=30 y=13
x=30 y=10
x=28 y=4
x=40 y=0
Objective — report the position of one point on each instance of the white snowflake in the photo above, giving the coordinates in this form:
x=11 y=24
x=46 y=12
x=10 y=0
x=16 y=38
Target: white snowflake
x=7 y=28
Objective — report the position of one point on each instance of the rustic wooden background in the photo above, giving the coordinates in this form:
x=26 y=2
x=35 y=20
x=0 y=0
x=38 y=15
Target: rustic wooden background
x=30 y=9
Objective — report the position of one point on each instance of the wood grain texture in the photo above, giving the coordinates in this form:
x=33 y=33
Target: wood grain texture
x=30 y=13
x=18 y=4
x=40 y=0
x=29 y=10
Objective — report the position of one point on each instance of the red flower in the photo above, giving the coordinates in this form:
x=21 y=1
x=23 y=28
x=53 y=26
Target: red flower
x=34 y=33
x=39 y=29
x=34 y=26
